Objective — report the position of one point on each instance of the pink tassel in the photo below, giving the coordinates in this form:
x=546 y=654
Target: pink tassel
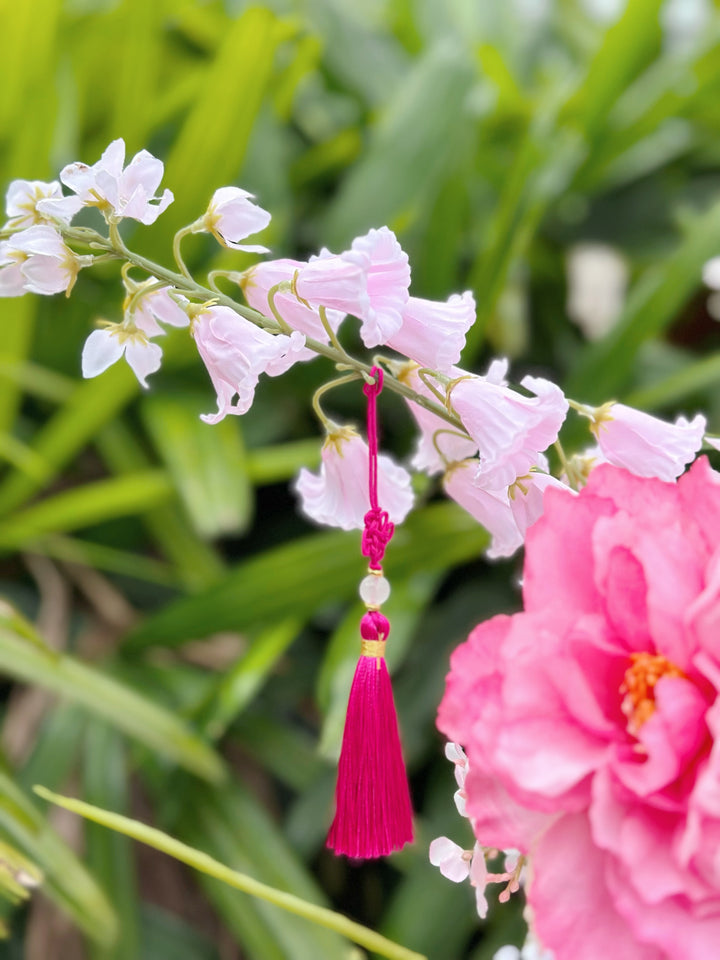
x=373 y=814
x=373 y=810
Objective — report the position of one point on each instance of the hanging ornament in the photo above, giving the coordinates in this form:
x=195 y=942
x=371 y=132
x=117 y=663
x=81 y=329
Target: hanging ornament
x=373 y=813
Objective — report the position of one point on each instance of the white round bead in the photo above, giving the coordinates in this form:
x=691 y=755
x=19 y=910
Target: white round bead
x=374 y=590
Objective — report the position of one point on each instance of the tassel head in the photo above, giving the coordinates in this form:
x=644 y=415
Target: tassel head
x=373 y=814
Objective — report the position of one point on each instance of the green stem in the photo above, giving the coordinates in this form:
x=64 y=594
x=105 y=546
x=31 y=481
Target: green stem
x=240 y=881
x=188 y=286
x=177 y=240
x=272 y=293
x=452 y=433
x=327 y=423
x=424 y=373
x=331 y=333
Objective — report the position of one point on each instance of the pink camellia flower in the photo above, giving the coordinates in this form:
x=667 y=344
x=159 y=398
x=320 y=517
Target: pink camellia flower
x=115 y=190
x=646 y=445
x=236 y=352
x=231 y=216
x=432 y=333
x=22 y=201
x=388 y=281
x=338 y=495
x=257 y=282
x=510 y=429
x=37 y=261
x=590 y=719
x=491 y=508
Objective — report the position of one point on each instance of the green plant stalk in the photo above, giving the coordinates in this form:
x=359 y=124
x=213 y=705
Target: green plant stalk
x=213 y=868
x=189 y=287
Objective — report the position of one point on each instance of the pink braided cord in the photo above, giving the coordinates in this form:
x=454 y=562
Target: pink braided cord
x=378 y=528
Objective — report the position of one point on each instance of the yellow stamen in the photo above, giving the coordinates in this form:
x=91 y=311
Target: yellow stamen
x=638 y=686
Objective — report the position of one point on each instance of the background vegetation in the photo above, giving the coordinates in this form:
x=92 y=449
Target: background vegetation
x=206 y=634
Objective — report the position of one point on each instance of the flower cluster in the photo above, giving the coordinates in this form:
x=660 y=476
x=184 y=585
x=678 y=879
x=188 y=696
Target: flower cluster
x=457 y=864
x=590 y=719
x=486 y=438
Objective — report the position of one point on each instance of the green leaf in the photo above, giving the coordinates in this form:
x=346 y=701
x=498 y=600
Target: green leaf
x=86 y=505
x=209 y=154
x=110 y=855
x=207 y=464
x=122 y=707
x=627 y=48
x=213 y=868
x=690 y=380
x=411 y=148
x=282 y=461
x=197 y=563
x=18 y=323
x=606 y=367
x=241 y=682
x=295 y=579
x=91 y=404
x=67 y=881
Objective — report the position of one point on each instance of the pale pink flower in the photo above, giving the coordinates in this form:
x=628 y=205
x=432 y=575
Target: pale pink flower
x=335 y=282
x=457 y=865
x=451 y=859
x=231 y=216
x=491 y=508
x=527 y=497
x=436 y=435
x=105 y=347
x=711 y=273
x=388 y=281
x=338 y=494
x=479 y=879
x=257 y=282
x=590 y=719
x=509 y=428
x=22 y=201
x=530 y=950
x=646 y=445
x=115 y=190
x=159 y=305
x=433 y=333
x=235 y=352
x=455 y=753
x=37 y=260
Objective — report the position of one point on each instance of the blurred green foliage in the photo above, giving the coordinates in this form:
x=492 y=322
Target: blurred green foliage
x=191 y=613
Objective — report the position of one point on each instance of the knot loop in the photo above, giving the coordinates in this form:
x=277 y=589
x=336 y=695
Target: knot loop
x=374 y=388
x=374 y=626
x=376 y=536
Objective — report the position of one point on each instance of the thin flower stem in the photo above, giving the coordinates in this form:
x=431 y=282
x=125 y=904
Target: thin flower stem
x=452 y=433
x=192 y=289
x=330 y=332
x=214 y=274
x=177 y=240
x=272 y=293
x=424 y=373
x=327 y=423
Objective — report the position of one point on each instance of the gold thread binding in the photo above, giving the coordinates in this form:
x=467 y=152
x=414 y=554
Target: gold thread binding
x=372 y=648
